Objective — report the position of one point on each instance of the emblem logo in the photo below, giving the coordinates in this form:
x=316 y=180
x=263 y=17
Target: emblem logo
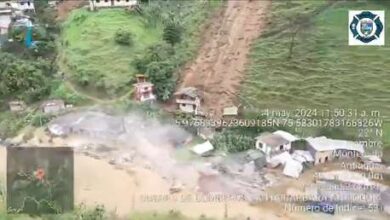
x=366 y=28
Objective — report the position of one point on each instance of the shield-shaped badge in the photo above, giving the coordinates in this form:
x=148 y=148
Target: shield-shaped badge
x=366 y=27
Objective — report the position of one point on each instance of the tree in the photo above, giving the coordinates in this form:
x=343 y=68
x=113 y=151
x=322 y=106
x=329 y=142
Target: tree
x=155 y=53
x=27 y=80
x=124 y=37
x=161 y=75
x=173 y=33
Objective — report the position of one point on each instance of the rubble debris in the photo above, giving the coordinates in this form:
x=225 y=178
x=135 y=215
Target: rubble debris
x=176 y=186
x=292 y=168
x=203 y=149
x=302 y=156
x=373 y=158
x=279 y=159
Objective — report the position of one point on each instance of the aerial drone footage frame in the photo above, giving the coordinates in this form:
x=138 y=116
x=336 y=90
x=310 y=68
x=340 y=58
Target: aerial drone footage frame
x=184 y=110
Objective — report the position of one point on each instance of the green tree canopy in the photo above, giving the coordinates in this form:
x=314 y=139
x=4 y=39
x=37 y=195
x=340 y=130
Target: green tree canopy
x=21 y=79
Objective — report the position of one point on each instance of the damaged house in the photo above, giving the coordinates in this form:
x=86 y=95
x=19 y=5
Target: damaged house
x=189 y=100
x=275 y=143
x=324 y=149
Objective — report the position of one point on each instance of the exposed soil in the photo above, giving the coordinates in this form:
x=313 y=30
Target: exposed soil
x=220 y=66
x=65 y=7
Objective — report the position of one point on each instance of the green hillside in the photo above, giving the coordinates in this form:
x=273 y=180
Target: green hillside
x=323 y=71
x=318 y=69
x=90 y=52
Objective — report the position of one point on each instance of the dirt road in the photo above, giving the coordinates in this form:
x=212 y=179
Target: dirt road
x=65 y=7
x=219 y=68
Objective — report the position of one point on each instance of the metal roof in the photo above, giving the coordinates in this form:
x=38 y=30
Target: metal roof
x=189 y=91
x=326 y=144
x=233 y=110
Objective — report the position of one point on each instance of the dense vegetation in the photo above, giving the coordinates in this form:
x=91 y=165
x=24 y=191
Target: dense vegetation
x=97 y=55
x=25 y=80
x=30 y=74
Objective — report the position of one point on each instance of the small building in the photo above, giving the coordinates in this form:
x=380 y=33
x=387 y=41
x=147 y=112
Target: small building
x=16 y=106
x=324 y=149
x=230 y=112
x=144 y=90
x=23 y=5
x=53 y=106
x=111 y=3
x=274 y=143
x=5 y=20
x=189 y=100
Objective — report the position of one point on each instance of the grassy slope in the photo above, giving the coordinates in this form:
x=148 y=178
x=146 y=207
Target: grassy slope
x=324 y=72
x=91 y=48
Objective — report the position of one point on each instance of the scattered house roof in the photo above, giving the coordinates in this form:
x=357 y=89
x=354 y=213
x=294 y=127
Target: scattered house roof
x=326 y=144
x=189 y=91
x=292 y=168
x=230 y=111
x=302 y=156
x=286 y=135
x=203 y=149
x=346 y=176
x=271 y=139
x=279 y=159
x=373 y=158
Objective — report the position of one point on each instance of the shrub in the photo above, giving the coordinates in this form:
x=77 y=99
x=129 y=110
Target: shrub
x=173 y=33
x=60 y=91
x=40 y=119
x=123 y=37
x=161 y=75
x=232 y=141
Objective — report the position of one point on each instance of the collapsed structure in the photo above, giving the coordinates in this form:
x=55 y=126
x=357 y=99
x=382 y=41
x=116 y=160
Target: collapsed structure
x=277 y=147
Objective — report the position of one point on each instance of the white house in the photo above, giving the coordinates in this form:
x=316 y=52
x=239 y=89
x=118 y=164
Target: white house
x=324 y=149
x=100 y=3
x=5 y=17
x=111 y=3
x=23 y=5
x=274 y=143
x=124 y=3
